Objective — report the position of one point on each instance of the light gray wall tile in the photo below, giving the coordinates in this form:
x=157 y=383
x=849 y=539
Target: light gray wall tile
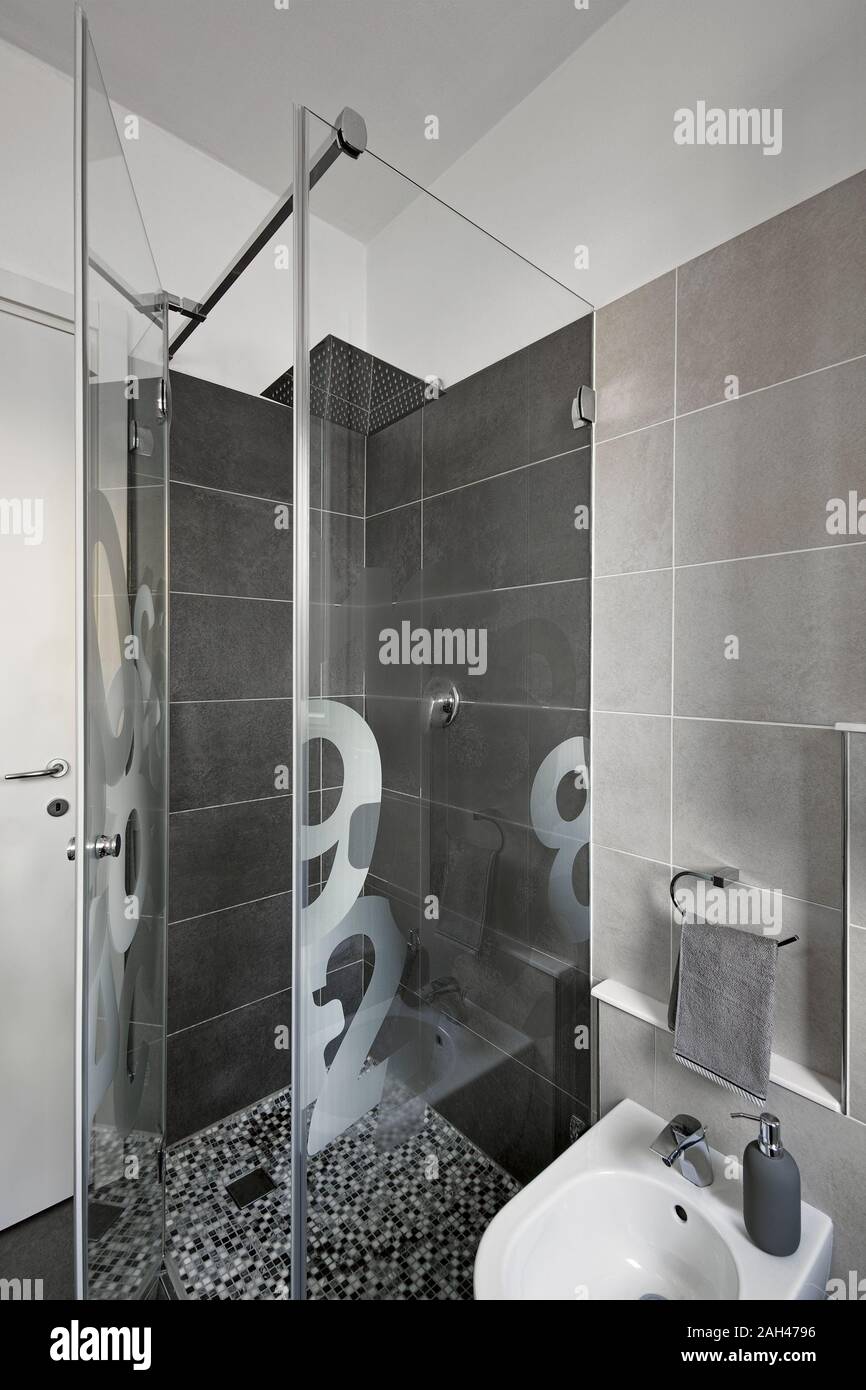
x=626 y=1048
x=800 y=621
x=634 y=501
x=631 y=921
x=809 y=988
x=634 y=358
x=633 y=642
x=755 y=475
x=784 y=298
x=763 y=798
x=631 y=784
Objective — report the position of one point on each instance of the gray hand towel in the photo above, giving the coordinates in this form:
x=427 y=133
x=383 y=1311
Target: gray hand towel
x=723 y=1007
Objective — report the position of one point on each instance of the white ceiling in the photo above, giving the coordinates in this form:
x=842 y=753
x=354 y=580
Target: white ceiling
x=222 y=74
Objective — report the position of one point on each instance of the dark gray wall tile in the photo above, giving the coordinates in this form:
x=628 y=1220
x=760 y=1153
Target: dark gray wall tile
x=634 y=501
x=801 y=624
x=481 y=762
x=633 y=642
x=343 y=455
x=401 y=679
x=225 y=544
x=229 y=855
x=394 y=545
x=397 y=729
x=556 y=366
x=478 y=428
x=537 y=643
x=226 y=439
x=228 y=751
x=394 y=464
x=225 y=1064
x=223 y=649
x=396 y=857
x=557 y=547
x=476 y=538
x=784 y=298
x=228 y=959
x=634 y=359
x=508 y=1110
x=755 y=475
x=557 y=628
x=763 y=798
x=336 y=558
x=338 y=635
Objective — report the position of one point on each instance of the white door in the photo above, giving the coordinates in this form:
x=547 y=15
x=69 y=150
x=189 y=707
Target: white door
x=37 y=629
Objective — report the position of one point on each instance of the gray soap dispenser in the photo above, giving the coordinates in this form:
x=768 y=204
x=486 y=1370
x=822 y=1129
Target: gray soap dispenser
x=771 y=1188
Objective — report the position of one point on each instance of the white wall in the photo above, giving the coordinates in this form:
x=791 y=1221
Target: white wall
x=589 y=158
x=197 y=213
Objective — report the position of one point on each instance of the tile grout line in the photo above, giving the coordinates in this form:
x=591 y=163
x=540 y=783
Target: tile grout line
x=731 y=560
x=717 y=719
x=648 y=859
x=743 y=396
x=229 y=907
x=234 y=598
x=258 y=497
x=238 y=1008
x=473 y=482
x=251 y=1003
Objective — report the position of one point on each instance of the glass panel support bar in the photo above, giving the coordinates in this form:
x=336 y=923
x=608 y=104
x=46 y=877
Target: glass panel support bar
x=349 y=136
x=300 y=686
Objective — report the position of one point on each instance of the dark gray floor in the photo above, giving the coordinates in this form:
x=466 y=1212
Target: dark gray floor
x=41 y=1248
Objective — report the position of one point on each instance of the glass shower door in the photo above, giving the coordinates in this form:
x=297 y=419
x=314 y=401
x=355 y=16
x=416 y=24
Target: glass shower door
x=441 y=967
x=122 y=713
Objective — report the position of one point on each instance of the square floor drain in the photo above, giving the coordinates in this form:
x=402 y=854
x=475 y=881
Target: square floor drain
x=250 y=1187
x=101 y=1216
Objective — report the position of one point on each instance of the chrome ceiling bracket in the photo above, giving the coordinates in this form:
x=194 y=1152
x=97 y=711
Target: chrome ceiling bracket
x=351 y=132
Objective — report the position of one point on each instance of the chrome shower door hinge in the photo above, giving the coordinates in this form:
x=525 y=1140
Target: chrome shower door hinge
x=189 y=308
x=583 y=407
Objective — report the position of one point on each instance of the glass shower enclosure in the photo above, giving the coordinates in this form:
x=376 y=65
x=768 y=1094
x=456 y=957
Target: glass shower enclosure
x=122 y=714
x=441 y=985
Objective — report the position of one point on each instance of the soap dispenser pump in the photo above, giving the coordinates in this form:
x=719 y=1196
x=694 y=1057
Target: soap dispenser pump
x=771 y=1188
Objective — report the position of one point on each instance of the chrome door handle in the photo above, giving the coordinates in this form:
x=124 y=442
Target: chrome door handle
x=58 y=767
x=104 y=847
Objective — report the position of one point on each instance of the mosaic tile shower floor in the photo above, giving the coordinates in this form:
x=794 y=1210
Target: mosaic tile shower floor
x=392 y=1215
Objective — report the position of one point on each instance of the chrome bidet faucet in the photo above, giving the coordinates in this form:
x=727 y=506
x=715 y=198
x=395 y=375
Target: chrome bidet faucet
x=683 y=1143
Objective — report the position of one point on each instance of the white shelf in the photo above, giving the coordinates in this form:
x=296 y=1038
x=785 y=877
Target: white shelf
x=791 y=1076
